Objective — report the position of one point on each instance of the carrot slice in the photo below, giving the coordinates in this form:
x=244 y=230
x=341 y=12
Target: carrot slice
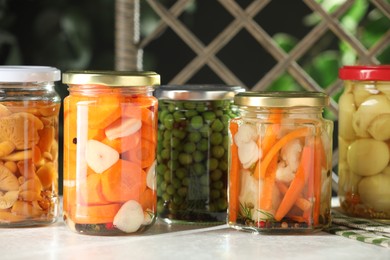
x=265 y=201
x=148 y=199
x=143 y=155
x=123 y=181
x=305 y=168
x=134 y=111
x=91 y=191
x=234 y=178
x=297 y=133
x=149 y=132
x=125 y=143
x=104 y=111
x=94 y=214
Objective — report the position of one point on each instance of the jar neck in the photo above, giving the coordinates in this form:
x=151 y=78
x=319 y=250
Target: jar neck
x=88 y=90
x=305 y=112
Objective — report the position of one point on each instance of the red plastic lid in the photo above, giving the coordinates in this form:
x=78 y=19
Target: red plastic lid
x=380 y=72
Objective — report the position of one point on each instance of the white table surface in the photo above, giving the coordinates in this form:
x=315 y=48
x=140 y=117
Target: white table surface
x=162 y=241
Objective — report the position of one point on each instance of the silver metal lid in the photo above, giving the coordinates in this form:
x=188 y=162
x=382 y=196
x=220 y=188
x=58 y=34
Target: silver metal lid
x=282 y=99
x=198 y=92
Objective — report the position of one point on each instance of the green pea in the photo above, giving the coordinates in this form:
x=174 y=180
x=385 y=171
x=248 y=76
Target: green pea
x=166 y=143
x=226 y=142
x=223 y=166
x=167 y=134
x=205 y=130
x=194 y=137
x=182 y=191
x=189 y=147
x=216 y=175
x=177 y=199
x=199 y=169
x=196 y=122
x=160 y=206
x=168 y=121
x=174 y=155
x=189 y=105
x=216 y=138
x=175 y=142
x=215 y=194
x=160 y=135
x=201 y=107
x=171 y=107
x=191 y=113
x=222 y=204
x=217 y=125
x=163 y=186
x=173 y=164
x=185 y=182
x=176 y=183
x=166 y=154
x=218 y=185
x=167 y=176
x=217 y=151
x=219 y=113
x=170 y=189
x=160 y=192
x=213 y=164
x=161 y=168
x=181 y=173
x=185 y=159
x=209 y=116
x=179 y=133
x=225 y=120
x=198 y=156
x=166 y=196
x=179 y=116
x=202 y=145
x=159 y=159
x=204 y=180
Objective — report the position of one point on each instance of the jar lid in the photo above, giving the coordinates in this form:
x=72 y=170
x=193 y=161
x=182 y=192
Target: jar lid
x=282 y=99
x=112 y=78
x=29 y=74
x=198 y=92
x=380 y=72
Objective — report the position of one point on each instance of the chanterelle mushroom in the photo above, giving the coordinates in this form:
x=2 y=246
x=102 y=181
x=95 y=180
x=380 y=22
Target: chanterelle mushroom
x=21 y=129
x=8 y=180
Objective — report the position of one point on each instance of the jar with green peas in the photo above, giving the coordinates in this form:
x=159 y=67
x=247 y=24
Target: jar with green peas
x=192 y=152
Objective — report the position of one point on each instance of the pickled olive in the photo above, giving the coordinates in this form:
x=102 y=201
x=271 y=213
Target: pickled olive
x=368 y=157
x=196 y=190
x=364 y=162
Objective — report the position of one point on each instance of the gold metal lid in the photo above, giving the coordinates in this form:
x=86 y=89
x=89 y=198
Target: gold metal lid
x=112 y=78
x=281 y=99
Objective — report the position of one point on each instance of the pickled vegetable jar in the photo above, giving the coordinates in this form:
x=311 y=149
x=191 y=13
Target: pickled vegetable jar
x=280 y=163
x=29 y=108
x=364 y=139
x=192 y=157
x=110 y=141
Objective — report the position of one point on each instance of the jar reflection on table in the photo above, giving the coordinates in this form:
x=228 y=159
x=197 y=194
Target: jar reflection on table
x=29 y=109
x=280 y=163
x=364 y=139
x=110 y=140
x=192 y=160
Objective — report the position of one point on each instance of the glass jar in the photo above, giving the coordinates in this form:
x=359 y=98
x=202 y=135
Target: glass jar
x=110 y=140
x=280 y=163
x=364 y=139
x=29 y=108
x=192 y=158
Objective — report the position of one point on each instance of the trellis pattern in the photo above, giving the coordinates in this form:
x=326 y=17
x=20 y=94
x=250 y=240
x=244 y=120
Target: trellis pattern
x=129 y=46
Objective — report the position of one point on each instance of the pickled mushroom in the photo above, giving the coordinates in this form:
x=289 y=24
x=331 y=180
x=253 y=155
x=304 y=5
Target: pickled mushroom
x=367 y=157
x=379 y=127
x=8 y=181
x=361 y=94
x=374 y=191
x=384 y=88
x=346 y=109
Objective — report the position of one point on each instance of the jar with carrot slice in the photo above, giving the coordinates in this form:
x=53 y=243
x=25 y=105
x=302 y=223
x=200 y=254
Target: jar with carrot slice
x=29 y=110
x=192 y=152
x=280 y=163
x=110 y=152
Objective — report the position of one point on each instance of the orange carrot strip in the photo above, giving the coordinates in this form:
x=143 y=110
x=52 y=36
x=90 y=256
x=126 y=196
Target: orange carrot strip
x=301 y=202
x=300 y=132
x=234 y=180
x=268 y=185
x=318 y=161
x=298 y=183
x=143 y=154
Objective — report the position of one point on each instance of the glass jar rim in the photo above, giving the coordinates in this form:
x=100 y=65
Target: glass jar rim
x=111 y=78
x=281 y=99
x=16 y=74
x=372 y=72
x=198 y=92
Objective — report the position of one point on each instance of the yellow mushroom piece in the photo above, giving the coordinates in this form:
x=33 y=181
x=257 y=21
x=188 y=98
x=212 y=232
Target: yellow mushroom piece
x=368 y=110
x=374 y=191
x=8 y=199
x=8 y=180
x=362 y=92
x=379 y=128
x=367 y=157
x=346 y=109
